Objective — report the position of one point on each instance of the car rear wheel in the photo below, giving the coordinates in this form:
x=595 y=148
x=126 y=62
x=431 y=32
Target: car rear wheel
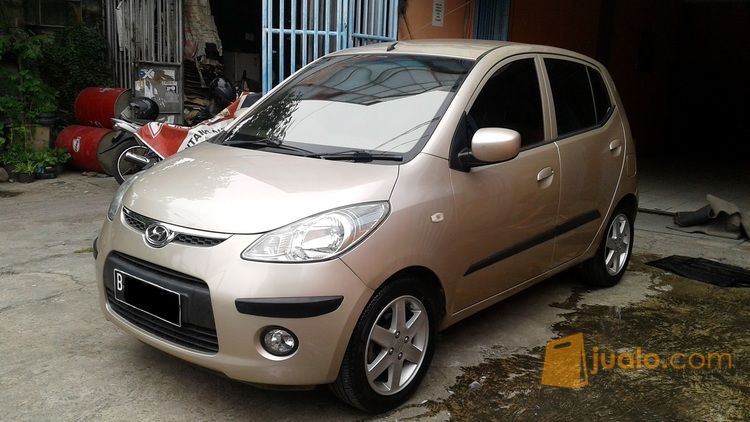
x=608 y=266
x=391 y=348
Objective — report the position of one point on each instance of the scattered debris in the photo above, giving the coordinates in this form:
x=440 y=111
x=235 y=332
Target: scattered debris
x=719 y=218
x=93 y=174
x=474 y=385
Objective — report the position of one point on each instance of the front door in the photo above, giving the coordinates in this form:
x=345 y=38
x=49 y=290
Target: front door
x=507 y=211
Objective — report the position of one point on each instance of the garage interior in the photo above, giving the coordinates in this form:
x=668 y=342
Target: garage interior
x=238 y=23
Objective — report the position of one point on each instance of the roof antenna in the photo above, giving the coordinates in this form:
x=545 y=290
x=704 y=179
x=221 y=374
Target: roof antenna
x=392 y=46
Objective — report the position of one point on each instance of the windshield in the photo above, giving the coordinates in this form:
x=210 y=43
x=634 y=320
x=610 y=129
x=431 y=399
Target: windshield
x=378 y=103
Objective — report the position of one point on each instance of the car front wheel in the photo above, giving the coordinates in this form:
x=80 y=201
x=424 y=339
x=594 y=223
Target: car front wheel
x=391 y=348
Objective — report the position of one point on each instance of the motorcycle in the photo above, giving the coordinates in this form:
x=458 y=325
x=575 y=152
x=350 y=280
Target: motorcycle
x=142 y=143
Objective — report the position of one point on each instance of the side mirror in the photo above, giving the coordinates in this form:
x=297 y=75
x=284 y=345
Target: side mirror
x=493 y=145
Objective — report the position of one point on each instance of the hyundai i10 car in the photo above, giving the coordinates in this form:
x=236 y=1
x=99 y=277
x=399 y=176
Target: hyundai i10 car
x=377 y=196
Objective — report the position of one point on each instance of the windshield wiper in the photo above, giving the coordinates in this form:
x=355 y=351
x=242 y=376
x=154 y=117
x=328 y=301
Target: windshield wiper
x=268 y=142
x=361 y=156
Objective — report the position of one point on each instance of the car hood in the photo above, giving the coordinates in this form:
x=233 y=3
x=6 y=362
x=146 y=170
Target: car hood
x=234 y=190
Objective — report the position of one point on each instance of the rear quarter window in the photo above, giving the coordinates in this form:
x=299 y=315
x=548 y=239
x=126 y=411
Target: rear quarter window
x=602 y=100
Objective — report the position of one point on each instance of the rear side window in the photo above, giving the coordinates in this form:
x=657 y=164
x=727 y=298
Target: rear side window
x=580 y=96
x=510 y=99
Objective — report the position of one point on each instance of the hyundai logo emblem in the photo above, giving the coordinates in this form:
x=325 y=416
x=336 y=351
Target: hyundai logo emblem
x=158 y=235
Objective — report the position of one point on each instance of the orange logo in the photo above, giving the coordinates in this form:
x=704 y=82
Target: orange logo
x=565 y=363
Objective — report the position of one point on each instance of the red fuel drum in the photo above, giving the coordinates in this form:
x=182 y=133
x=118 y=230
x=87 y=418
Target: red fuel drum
x=82 y=142
x=97 y=106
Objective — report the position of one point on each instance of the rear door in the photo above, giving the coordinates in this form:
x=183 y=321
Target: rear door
x=506 y=211
x=588 y=131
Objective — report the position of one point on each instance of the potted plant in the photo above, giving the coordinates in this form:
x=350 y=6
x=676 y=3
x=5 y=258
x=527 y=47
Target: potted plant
x=14 y=155
x=25 y=172
x=45 y=164
x=61 y=158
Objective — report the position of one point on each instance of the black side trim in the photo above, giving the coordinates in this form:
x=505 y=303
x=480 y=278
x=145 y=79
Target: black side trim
x=289 y=307
x=538 y=239
x=576 y=222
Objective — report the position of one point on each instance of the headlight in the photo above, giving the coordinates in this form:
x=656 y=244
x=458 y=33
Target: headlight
x=114 y=206
x=319 y=237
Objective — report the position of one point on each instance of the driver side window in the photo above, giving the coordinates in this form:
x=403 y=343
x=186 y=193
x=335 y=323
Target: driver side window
x=510 y=99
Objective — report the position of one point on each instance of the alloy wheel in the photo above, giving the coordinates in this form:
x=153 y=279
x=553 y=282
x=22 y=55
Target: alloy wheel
x=617 y=246
x=396 y=345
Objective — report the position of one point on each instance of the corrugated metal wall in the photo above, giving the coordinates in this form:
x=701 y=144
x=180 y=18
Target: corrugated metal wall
x=143 y=31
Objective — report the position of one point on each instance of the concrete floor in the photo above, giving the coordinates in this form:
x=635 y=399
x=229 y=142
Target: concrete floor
x=681 y=184
x=61 y=360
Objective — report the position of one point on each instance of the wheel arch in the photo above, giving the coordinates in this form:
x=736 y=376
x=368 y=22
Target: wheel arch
x=429 y=280
x=629 y=202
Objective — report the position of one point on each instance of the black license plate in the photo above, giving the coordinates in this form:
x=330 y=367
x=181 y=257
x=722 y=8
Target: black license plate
x=148 y=297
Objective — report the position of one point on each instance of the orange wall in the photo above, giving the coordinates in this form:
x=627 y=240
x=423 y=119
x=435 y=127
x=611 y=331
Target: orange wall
x=417 y=22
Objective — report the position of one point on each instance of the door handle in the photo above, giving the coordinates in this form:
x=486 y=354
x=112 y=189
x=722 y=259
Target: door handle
x=615 y=144
x=544 y=173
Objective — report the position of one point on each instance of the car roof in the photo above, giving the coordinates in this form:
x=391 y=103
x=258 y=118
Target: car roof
x=459 y=48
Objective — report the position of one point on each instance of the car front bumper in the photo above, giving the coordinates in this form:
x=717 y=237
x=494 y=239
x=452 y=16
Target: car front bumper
x=319 y=302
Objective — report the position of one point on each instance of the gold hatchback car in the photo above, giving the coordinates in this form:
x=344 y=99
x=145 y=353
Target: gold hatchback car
x=377 y=196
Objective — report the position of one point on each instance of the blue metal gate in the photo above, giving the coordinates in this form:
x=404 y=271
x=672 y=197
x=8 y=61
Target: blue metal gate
x=296 y=32
x=372 y=21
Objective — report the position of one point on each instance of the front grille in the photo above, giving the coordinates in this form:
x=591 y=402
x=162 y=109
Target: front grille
x=192 y=240
x=141 y=223
x=135 y=222
x=197 y=331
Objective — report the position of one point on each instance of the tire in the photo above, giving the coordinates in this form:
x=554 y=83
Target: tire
x=123 y=168
x=607 y=267
x=107 y=154
x=377 y=338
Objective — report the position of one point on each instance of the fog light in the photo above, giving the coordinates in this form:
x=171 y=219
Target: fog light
x=279 y=341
